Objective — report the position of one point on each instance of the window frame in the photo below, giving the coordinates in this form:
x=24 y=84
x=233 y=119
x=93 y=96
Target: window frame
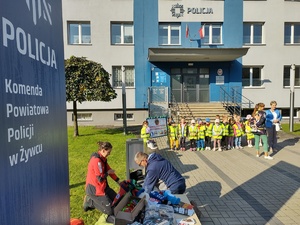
x=287 y=80
x=80 y=35
x=118 y=83
x=170 y=27
x=252 y=34
x=251 y=78
x=208 y=30
x=83 y=117
x=123 y=26
x=119 y=116
x=292 y=33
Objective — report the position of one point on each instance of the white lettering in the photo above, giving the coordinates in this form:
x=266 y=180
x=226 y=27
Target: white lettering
x=21 y=133
x=26 y=45
x=13 y=159
x=22 y=89
x=21 y=39
x=27 y=110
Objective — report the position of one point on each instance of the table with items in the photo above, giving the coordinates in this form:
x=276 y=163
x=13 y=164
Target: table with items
x=157 y=208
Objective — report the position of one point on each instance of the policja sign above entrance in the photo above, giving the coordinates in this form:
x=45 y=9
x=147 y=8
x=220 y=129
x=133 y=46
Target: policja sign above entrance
x=34 y=160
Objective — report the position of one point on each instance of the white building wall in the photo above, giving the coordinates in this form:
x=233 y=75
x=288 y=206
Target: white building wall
x=273 y=55
x=100 y=14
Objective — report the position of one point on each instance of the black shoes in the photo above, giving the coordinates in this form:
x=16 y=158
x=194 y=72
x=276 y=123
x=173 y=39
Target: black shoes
x=110 y=219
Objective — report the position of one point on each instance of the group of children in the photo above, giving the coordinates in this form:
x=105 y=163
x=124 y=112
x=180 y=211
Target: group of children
x=223 y=134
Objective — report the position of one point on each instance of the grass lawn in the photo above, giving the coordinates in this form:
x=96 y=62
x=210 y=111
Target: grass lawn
x=286 y=128
x=80 y=149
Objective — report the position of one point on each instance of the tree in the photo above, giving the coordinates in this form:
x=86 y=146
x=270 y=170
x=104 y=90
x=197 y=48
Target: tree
x=86 y=81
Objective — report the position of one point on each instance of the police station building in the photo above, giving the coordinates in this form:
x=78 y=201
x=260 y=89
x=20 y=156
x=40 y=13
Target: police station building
x=188 y=50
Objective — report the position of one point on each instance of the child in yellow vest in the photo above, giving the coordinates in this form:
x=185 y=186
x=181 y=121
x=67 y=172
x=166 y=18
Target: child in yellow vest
x=208 y=133
x=173 y=134
x=249 y=134
x=201 y=135
x=230 y=133
x=193 y=135
x=217 y=134
x=183 y=133
x=238 y=132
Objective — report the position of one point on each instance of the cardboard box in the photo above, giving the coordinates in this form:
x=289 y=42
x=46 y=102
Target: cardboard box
x=128 y=216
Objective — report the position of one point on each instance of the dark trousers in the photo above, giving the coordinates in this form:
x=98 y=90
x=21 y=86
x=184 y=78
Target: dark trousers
x=182 y=142
x=103 y=203
x=207 y=141
x=272 y=136
x=193 y=143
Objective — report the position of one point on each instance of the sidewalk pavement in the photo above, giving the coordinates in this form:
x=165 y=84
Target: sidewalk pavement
x=236 y=187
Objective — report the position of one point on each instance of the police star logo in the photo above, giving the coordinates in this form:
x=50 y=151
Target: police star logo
x=177 y=10
x=40 y=9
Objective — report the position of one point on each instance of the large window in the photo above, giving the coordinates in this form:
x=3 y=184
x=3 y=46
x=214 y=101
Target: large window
x=252 y=77
x=253 y=33
x=169 y=34
x=212 y=33
x=286 y=76
x=121 y=33
x=117 y=76
x=79 y=33
x=292 y=33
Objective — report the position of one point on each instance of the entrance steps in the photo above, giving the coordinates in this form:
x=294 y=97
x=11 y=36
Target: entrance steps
x=191 y=111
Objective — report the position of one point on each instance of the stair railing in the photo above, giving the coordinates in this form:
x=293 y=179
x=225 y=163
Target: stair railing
x=234 y=101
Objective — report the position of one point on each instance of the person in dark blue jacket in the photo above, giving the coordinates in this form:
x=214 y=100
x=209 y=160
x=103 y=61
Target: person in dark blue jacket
x=273 y=118
x=159 y=169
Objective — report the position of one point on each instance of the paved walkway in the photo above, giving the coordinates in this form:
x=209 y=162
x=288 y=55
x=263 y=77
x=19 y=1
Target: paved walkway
x=236 y=187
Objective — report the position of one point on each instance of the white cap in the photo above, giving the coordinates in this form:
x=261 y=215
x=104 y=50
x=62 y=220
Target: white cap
x=193 y=121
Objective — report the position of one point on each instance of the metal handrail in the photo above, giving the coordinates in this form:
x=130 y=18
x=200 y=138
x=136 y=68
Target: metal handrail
x=184 y=112
x=234 y=102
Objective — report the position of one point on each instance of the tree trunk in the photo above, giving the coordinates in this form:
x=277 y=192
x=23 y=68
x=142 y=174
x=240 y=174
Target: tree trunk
x=76 y=133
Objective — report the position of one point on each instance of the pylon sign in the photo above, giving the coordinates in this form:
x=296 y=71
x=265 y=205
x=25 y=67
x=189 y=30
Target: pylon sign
x=34 y=183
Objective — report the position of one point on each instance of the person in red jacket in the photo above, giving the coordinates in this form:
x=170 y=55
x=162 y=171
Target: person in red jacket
x=98 y=193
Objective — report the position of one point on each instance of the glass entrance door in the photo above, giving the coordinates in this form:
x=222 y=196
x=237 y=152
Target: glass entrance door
x=190 y=84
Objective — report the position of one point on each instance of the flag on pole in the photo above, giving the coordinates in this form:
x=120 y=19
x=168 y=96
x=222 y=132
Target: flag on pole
x=202 y=31
x=187 y=30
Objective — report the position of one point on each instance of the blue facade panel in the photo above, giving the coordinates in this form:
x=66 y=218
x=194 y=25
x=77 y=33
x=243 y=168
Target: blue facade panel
x=145 y=36
x=158 y=74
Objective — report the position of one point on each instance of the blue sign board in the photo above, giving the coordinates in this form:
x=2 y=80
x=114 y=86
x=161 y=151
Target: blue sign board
x=34 y=185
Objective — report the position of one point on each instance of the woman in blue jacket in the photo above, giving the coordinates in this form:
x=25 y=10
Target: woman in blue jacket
x=273 y=118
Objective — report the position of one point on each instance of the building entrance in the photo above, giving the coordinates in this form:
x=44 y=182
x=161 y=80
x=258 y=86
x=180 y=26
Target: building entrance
x=190 y=84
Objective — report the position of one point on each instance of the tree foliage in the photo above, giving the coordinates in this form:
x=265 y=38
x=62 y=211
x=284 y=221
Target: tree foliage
x=87 y=81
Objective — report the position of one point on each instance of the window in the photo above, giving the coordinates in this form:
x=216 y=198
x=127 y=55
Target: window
x=292 y=33
x=169 y=34
x=212 y=34
x=79 y=33
x=119 y=116
x=252 y=77
x=286 y=76
x=83 y=117
x=121 y=33
x=117 y=76
x=253 y=33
